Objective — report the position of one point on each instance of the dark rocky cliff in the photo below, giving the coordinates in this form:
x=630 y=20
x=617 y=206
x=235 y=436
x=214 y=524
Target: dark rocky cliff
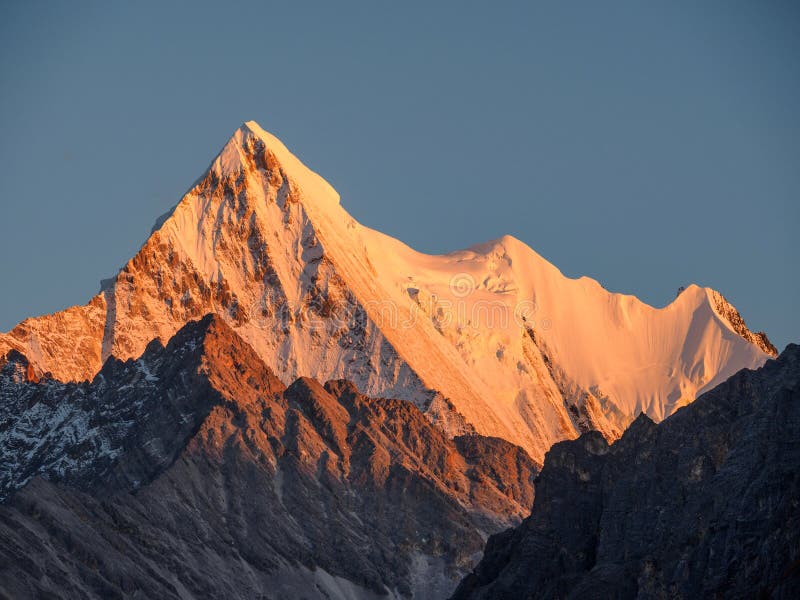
x=704 y=505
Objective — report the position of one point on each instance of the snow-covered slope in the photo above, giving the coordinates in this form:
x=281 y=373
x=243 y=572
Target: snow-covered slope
x=495 y=332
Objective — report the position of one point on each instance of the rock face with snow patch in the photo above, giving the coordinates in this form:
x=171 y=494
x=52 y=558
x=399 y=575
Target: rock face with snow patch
x=494 y=337
x=192 y=471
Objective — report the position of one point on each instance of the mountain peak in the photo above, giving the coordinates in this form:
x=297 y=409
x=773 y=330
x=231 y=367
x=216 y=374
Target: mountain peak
x=252 y=149
x=517 y=349
x=255 y=129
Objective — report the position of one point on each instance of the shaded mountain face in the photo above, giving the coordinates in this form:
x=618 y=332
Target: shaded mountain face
x=705 y=504
x=193 y=471
x=493 y=338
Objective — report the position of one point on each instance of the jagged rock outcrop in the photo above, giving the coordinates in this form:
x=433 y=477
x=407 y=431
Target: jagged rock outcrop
x=492 y=338
x=705 y=504
x=193 y=471
x=732 y=316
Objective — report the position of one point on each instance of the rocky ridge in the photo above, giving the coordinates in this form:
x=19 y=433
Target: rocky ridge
x=193 y=471
x=704 y=504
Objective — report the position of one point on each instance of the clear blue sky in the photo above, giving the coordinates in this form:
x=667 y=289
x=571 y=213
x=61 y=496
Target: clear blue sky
x=648 y=145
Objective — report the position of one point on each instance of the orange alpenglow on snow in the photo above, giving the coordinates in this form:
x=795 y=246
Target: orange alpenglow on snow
x=492 y=337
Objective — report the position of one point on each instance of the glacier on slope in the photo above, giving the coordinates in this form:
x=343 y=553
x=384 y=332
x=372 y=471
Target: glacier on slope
x=493 y=337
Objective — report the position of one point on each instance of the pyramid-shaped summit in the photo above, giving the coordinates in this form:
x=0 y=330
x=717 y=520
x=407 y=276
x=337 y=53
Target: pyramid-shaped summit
x=493 y=337
x=253 y=147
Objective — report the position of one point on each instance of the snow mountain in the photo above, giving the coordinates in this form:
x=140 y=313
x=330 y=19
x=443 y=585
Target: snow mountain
x=492 y=338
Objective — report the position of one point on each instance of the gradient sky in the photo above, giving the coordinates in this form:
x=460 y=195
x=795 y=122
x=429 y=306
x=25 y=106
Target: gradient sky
x=645 y=146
